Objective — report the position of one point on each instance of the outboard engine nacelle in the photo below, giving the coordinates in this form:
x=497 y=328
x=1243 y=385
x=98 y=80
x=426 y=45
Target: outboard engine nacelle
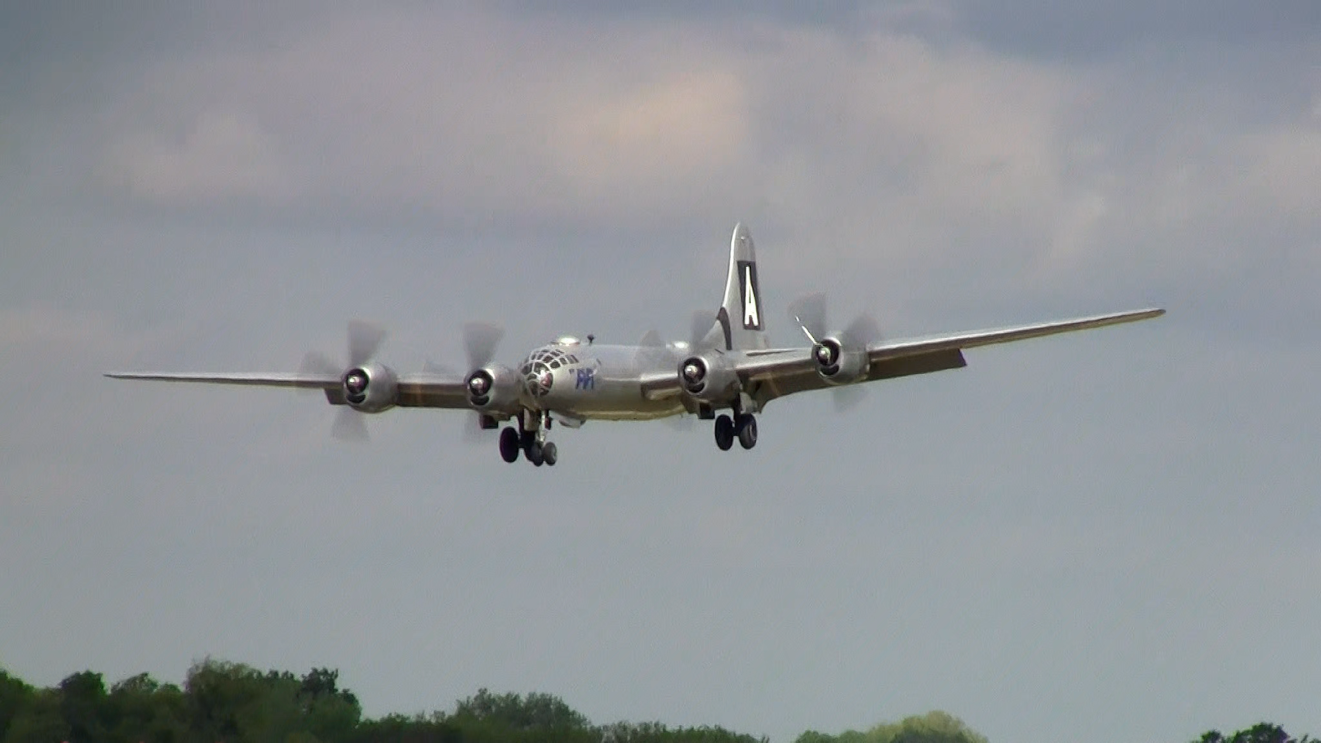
x=370 y=388
x=708 y=378
x=837 y=364
x=494 y=388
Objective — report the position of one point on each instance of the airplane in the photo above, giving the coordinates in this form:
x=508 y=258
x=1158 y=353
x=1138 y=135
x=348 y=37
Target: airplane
x=727 y=372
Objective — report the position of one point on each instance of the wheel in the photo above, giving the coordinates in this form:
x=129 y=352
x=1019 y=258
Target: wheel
x=724 y=432
x=509 y=444
x=535 y=454
x=747 y=431
x=550 y=453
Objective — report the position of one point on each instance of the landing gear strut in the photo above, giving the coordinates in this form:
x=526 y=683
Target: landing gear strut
x=529 y=439
x=742 y=426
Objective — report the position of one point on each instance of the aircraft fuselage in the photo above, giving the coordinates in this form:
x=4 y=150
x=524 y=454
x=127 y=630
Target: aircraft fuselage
x=599 y=381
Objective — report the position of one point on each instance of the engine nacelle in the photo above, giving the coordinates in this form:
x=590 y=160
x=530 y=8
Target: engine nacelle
x=837 y=364
x=494 y=388
x=370 y=388
x=708 y=378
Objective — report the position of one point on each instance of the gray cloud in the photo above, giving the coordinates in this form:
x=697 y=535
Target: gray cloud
x=1113 y=521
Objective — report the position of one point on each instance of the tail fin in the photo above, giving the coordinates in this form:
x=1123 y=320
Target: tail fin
x=740 y=323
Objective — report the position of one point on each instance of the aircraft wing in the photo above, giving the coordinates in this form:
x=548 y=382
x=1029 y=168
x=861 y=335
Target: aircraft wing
x=259 y=379
x=779 y=372
x=424 y=390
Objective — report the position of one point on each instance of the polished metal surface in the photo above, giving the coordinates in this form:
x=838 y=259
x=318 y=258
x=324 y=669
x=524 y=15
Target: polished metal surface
x=727 y=363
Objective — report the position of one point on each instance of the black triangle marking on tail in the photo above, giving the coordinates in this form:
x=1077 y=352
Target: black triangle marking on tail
x=722 y=317
x=750 y=293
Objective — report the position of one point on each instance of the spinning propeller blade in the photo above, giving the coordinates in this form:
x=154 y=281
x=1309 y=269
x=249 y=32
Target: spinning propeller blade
x=364 y=339
x=480 y=341
x=810 y=313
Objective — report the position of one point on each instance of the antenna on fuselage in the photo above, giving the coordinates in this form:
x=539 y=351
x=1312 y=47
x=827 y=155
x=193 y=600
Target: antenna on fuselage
x=590 y=337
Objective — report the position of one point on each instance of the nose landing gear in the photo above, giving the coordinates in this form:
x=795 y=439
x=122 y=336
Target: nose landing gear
x=538 y=453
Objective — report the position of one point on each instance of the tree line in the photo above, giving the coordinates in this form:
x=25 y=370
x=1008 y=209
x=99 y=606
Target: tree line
x=235 y=703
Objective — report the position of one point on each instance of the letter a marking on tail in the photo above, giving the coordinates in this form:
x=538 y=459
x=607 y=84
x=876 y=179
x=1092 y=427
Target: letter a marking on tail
x=751 y=312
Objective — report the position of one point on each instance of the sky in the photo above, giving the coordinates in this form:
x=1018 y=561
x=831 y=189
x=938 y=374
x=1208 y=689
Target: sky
x=1109 y=535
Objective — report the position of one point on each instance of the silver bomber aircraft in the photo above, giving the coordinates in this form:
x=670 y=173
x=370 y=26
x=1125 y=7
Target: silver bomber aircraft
x=727 y=372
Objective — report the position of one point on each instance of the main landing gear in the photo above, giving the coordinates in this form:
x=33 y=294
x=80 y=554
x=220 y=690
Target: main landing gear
x=743 y=426
x=532 y=444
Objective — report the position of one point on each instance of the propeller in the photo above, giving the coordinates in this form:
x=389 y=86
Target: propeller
x=810 y=313
x=473 y=433
x=480 y=341
x=653 y=352
x=349 y=426
x=364 y=339
x=702 y=324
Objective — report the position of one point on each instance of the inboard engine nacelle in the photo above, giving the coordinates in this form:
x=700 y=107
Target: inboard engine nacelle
x=837 y=364
x=708 y=378
x=494 y=388
x=370 y=388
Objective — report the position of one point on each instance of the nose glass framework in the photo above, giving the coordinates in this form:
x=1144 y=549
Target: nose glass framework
x=538 y=367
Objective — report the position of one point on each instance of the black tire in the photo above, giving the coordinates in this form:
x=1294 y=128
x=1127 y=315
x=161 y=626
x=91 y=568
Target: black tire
x=550 y=453
x=724 y=432
x=510 y=445
x=747 y=431
x=535 y=454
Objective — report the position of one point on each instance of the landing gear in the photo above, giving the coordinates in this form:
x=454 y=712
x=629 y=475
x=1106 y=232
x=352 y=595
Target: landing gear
x=539 y=453
x=509 y=445
x=742 y=426
x=529 y=440
x=747 y=431
x=535 y=453
x=724 y=432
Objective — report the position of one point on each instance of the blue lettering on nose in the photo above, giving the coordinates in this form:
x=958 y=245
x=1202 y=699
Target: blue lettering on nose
x=584 y=379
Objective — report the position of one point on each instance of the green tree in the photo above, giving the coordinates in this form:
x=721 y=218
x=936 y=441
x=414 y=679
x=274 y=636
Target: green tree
x=15 y=696
x=83 y=704
x=536 y=711
x=146 y=710
x=330 y=713
x=933 y=727
x=223 y=700
x=1262 y=732
x=40 y=721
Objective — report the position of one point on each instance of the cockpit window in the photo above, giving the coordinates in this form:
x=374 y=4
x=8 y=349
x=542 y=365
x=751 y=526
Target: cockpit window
x=545 y=359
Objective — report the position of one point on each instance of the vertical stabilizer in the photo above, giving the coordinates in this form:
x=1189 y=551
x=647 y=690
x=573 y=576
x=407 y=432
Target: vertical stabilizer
x=741 y=321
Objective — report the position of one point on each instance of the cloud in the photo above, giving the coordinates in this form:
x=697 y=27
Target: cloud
x=221 y=157
x=868 y=149
x=666 y=137
x=49 y=327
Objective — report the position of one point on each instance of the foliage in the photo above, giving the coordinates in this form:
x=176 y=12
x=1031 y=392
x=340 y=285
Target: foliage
x=933 y=727
x=1262 y=732
x=235 y=703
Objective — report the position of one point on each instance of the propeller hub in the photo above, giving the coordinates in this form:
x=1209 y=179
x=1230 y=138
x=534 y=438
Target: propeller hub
x=479 y=384
x=355 y=385
x=692 y=372
x=825 y=355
